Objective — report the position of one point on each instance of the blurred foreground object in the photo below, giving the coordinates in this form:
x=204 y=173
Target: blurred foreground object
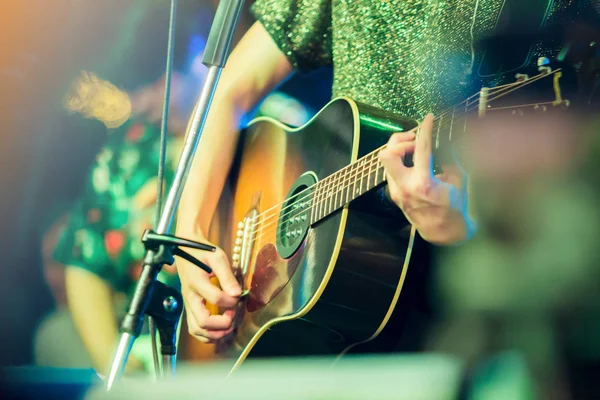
x=400 y=377
x=529 y=280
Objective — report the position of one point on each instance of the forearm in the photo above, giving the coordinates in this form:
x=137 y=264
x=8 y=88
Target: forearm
x=211 y=165
x=90 y=302
x=242 y=86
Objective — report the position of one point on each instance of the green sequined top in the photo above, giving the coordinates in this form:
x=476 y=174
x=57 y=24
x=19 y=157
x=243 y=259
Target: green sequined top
x=405 y=56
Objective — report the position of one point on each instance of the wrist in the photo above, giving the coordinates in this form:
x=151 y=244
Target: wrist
x=188 y=227
x=458 y=230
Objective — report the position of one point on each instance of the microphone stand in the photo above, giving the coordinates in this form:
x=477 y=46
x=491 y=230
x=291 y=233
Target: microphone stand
x=150 y=296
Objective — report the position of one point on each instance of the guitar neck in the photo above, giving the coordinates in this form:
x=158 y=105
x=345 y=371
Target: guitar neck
x=340 y=188
x=366 y=173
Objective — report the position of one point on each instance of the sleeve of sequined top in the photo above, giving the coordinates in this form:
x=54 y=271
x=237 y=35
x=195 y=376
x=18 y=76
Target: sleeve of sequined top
x=300 y=28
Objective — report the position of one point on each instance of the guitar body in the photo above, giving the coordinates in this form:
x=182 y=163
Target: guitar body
x=340 y=286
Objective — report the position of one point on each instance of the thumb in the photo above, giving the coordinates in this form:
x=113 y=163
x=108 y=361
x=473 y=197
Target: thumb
x=392 y=157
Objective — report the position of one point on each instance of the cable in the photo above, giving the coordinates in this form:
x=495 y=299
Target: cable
x=162 y=156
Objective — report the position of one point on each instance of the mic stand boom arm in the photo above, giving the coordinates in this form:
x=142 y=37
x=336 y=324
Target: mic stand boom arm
x=160 y=247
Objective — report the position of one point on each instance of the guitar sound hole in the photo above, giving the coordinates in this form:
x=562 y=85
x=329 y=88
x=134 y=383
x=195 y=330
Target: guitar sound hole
x=294 y=218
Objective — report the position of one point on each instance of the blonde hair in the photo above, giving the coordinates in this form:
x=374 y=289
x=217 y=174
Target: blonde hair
x=95 y=98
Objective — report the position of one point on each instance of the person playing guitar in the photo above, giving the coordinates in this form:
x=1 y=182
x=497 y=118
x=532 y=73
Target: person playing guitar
x=407 y=58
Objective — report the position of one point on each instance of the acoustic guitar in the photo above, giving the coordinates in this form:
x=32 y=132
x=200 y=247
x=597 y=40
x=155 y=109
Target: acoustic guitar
x=321 y=251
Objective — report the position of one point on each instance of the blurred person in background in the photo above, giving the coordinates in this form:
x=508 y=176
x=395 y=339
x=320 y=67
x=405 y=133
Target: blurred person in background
x=93 y=254
x=100 y=245
x=44 y=46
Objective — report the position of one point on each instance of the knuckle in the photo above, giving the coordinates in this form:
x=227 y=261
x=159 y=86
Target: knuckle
x=420 y=185
x=214 y=298
x=220 y=253
x=188 y=294
x=395 y=138
x=397 y=196
x=221 y=299
x=217 y=259
x=196 y=331
x=424 y=187
x=201 y=325
x=203 y=339
x=216 y=335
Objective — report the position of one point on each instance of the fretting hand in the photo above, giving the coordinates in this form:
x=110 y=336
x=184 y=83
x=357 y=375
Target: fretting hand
x=434 y=204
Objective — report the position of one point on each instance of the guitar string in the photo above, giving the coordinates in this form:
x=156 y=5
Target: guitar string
x=331 y=198
x=328 y=181
x=332 y=179
x=360 y=170
x=445 y=113
x=321 y=188
x=369 y=164
x=439 y=117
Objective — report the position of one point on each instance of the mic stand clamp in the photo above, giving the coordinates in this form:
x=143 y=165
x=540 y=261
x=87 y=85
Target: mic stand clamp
x=156 y=299
x=166 y=303
x=161 y=249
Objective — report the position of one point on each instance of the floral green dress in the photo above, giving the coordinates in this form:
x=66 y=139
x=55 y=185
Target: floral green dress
x=104 y=232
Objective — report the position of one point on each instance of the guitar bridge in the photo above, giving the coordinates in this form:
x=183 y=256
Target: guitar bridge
x=244 y=242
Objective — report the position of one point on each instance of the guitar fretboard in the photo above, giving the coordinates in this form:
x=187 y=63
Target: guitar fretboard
x=340 y=188
x=345 y=185
x=349 y=183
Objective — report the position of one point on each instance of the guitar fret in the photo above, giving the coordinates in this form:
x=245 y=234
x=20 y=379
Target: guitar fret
x=360 y=175
x=333 y=192
x=352 y=181
x=373 y=169
x=380 y=168
x=376 y=181
x=339 y=197
x=325 y=197
x=330 y=194
x=320 y=198
x=315 y=203
x=345 y=185
x=312 y=203
x=338 y=189
x=369 y=171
